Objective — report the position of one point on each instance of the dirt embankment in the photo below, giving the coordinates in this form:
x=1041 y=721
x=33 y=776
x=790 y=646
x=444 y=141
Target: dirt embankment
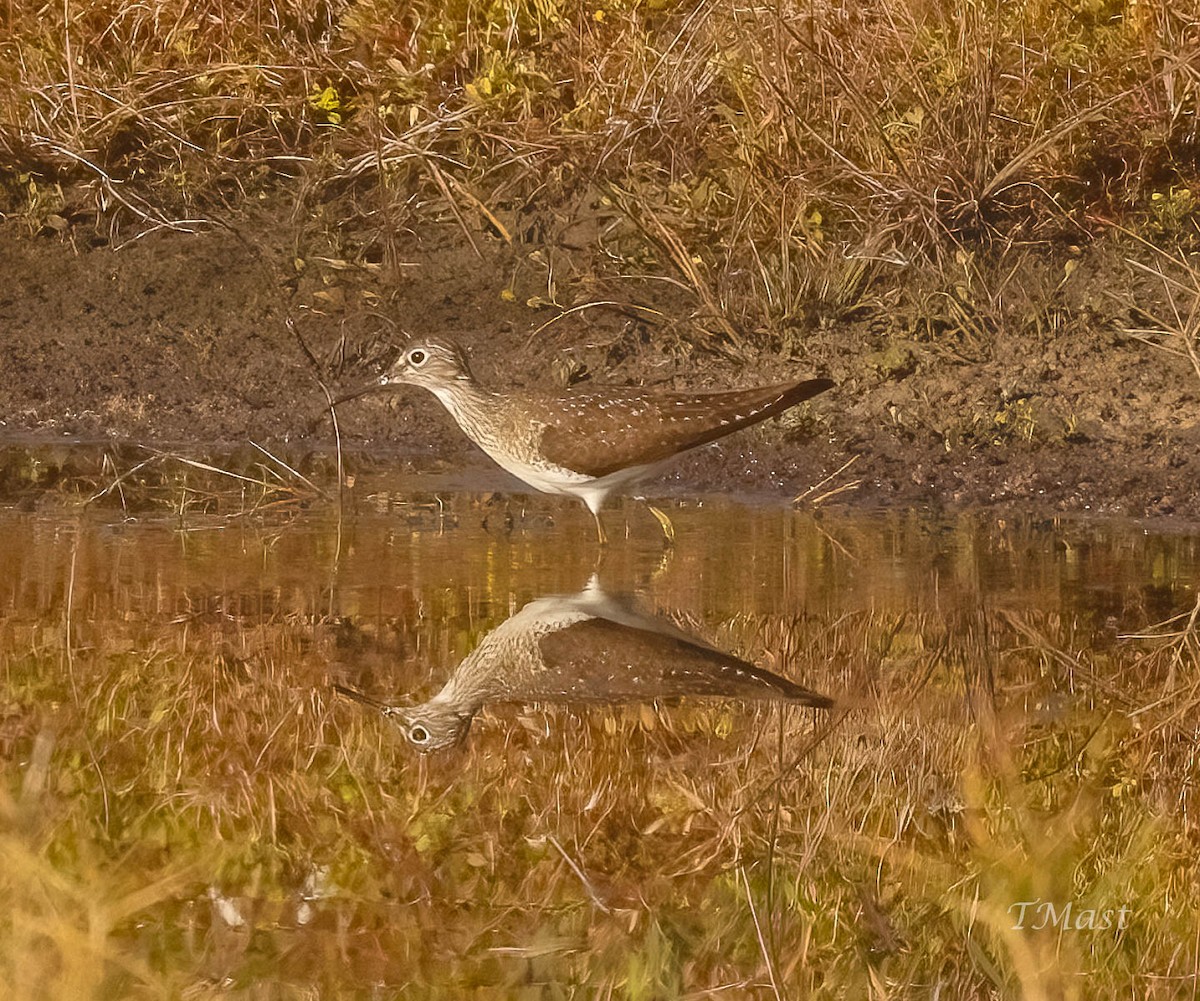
x=182 y=337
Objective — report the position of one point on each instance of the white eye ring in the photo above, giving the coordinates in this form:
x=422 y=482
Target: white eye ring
x=418 y=357
x=418 y=734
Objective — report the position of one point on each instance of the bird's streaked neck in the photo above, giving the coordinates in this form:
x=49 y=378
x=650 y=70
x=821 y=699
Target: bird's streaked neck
x=460 y=395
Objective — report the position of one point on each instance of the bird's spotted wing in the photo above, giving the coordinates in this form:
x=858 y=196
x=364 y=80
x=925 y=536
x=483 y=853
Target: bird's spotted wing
x=597 y=660
x=599 y=433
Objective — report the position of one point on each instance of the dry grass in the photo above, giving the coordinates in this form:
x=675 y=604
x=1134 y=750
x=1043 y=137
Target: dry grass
x=774 y=160
x=1176 y=329
x=187 y=811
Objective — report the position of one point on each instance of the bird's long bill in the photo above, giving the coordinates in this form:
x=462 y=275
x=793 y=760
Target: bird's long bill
x=366 y=388
x=358 y=697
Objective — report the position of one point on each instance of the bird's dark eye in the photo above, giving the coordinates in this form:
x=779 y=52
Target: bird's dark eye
x=418 y=734
x=417 y=357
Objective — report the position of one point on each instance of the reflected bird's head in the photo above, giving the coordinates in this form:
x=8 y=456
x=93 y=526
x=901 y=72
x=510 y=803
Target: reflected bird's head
x=427 y=362
x=432 y=726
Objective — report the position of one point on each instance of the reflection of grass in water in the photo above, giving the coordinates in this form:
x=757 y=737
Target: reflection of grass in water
x=249 y=481
x=163 y=830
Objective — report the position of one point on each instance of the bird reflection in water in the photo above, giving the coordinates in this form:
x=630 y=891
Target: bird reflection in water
x=589 y=647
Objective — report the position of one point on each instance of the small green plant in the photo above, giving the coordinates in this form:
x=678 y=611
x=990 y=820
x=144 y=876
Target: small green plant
x=326 y=103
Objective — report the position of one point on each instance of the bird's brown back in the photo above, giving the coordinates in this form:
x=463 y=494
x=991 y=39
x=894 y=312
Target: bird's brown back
x=601 y=432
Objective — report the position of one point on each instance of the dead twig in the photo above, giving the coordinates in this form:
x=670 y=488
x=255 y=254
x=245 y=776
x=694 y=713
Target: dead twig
x=829 y=479
x=630 y=308
x=294 y=472
x=587 y=885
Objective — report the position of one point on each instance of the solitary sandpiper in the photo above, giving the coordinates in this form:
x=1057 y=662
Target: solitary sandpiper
x=585 y=444
x=588 y=647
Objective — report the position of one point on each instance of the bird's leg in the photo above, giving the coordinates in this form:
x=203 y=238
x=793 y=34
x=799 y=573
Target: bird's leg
x=665 y=522
x=600 y=536
x=666 y=556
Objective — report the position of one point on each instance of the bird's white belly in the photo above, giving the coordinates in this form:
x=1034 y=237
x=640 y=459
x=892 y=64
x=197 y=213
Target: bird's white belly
x=566 y=482
x=547 y=479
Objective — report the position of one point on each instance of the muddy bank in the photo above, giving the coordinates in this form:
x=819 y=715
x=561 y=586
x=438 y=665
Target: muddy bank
x=182 y=338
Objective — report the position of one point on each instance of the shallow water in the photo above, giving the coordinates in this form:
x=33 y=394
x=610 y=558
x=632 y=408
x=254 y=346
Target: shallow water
x=190 y=809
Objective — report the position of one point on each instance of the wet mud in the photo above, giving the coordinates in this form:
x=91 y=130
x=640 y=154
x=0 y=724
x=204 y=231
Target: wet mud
x=183 y=339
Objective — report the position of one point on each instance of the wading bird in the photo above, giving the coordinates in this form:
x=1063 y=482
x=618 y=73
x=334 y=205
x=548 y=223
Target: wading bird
x=584 y=444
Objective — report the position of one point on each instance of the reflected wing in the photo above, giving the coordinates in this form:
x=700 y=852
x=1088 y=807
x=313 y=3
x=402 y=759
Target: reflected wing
x=600 y=433
x=601 y=661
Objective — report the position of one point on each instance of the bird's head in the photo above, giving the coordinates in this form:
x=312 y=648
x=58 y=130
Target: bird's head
x=427 y=362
